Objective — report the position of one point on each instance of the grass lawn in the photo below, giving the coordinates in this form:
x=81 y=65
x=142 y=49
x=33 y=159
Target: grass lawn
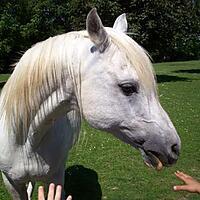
x=116 y=170
x=4 y=77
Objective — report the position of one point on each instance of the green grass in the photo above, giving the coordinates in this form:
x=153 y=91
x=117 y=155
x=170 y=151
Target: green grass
x=4 y=77
x=120 y=169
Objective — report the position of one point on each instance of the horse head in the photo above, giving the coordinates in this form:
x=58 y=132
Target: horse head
x=119 y=93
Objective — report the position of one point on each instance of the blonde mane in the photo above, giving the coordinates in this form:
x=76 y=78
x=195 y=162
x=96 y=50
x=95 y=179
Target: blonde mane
x=40 y=72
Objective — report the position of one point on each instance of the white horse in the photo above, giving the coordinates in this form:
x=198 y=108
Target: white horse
x=100 y=74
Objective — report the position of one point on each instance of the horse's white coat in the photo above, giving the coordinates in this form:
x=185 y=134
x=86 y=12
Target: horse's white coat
x=62 y=78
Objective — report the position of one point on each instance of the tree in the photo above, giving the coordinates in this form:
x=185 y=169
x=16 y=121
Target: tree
x=168 y=29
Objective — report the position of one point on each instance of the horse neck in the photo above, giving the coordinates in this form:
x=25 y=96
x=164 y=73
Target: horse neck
x=56 y=93
x=66 y=95
x=66 y=98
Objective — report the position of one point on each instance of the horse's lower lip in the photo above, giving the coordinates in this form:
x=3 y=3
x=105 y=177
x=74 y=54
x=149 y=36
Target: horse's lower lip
x=151 y=160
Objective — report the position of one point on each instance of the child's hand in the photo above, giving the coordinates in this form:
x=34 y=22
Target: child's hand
x=51 y=195
x=190 y=184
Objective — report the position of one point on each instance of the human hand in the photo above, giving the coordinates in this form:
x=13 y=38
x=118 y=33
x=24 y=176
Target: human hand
x=191 y=185
x=51 y=195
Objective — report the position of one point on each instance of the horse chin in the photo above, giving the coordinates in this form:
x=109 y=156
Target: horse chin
x=151 y=160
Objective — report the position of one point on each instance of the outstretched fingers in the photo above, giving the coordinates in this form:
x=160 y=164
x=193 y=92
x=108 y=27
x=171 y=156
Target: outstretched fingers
x=190 y=184
x=41 y=193
x=182 y=176
x=58 y=192
x=53 y=194
x=51 y=191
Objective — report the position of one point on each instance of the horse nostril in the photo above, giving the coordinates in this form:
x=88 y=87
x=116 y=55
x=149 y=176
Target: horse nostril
x=175 y=149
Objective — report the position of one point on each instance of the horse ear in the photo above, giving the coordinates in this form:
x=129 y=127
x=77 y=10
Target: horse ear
x=121 y=23
x=96 y=31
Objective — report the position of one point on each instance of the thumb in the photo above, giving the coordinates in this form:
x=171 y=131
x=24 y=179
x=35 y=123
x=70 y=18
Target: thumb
x=180 y=187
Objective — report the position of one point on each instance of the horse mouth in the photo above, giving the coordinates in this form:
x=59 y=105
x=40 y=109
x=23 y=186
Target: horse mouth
x=151 y=159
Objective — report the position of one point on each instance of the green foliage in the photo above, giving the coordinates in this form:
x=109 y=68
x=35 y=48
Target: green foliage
x=168 y=29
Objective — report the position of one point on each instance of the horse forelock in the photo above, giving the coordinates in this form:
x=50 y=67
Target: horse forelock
x=137 y=57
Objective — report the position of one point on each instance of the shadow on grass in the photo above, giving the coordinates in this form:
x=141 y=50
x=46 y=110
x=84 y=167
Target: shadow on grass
x=82 y=183
x=190 y=71
x=169 y=78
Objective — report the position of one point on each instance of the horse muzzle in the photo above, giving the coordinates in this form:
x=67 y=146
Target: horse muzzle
x=158 y=155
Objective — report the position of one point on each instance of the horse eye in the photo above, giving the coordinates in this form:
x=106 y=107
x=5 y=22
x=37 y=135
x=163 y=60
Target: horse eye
x=129 y=88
